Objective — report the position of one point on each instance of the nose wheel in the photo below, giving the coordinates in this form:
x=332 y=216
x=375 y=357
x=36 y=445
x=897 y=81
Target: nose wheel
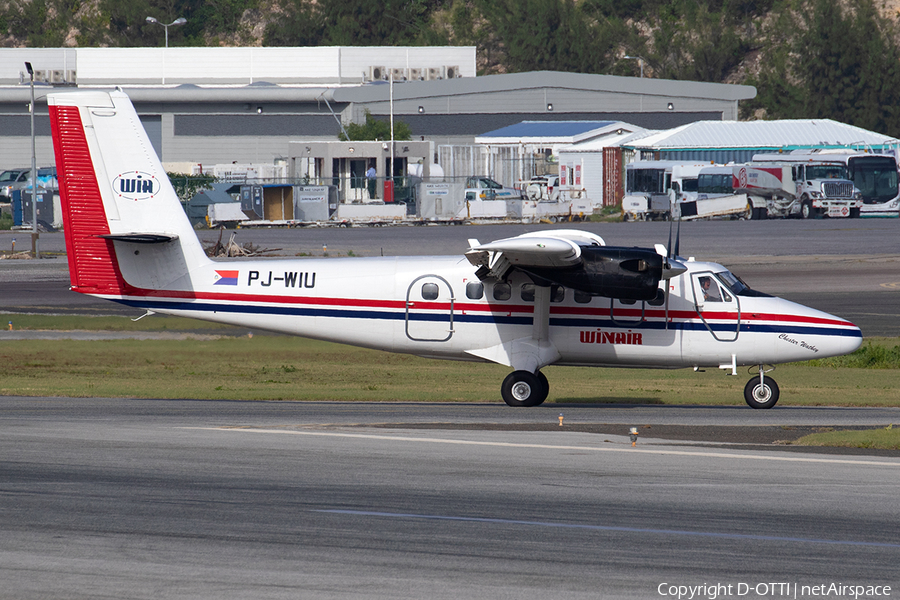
x=524 y=388
x=761 y=392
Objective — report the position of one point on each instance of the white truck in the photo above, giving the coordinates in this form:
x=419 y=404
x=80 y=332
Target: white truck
x=874 y=174
x=653 y=188
x=804 y=190
x=488 y=189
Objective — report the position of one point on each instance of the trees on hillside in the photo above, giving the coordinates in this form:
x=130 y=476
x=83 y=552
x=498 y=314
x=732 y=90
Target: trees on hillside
x=828 y=61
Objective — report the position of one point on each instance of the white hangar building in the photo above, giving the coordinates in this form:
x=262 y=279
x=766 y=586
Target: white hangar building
x=244 y=105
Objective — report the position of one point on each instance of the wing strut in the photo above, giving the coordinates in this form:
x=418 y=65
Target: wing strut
x=541 y=325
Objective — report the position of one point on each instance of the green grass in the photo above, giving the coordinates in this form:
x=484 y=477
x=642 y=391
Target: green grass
x=88 y=323
x=607 y=214
x=875 y=353
x=264 y=367
x=289 y=368
x=887 y=438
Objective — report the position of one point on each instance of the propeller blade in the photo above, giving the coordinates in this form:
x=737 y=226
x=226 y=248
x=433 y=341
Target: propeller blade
x=668 y=288
x=669 y=246
x=678 y=238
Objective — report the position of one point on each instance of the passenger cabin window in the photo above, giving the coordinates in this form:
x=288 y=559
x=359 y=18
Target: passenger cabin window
x=502 y=291
x=659 y=300
x=429 y=291
x=474 y=290
x=582 y=297
x=557 y=293
x=527 y=292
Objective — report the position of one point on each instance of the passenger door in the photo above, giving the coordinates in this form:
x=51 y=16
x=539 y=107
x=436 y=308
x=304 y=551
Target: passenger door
x=429 y=309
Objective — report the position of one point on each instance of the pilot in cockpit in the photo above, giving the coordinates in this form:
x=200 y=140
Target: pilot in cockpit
x=710 y=290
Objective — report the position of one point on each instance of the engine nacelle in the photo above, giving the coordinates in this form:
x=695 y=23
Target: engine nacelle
x=613 y=272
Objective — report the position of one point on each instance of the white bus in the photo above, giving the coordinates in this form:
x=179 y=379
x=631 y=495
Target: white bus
x=875 y=175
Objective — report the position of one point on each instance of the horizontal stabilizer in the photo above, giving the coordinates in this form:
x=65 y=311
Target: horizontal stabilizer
x=140 y=238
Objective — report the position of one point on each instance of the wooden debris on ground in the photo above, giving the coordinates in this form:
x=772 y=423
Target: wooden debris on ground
x=232 y=249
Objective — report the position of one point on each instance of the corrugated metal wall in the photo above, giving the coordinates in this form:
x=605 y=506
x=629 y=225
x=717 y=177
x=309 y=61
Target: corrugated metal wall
x=723 y=156
x=613 y=188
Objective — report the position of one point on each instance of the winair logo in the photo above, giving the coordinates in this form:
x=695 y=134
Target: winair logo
x=611 y=337
x=136 y=185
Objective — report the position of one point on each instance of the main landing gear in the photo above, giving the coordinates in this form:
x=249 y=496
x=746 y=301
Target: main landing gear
x=524 y=388
x=761 y=391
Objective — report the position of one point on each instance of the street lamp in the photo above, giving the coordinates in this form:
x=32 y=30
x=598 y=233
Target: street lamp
x=179 y=21
x=34 y=231
x=640 y=61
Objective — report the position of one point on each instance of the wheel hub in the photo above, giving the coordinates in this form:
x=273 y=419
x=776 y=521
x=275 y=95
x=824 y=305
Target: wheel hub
x=762 y=393
x=521 y=391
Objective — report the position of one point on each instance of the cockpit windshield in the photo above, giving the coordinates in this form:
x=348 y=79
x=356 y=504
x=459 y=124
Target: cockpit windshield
x=737 y=285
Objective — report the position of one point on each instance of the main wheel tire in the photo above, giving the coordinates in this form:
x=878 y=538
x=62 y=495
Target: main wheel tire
x=761 y=396
x=545 y=388
x=523 y=388
x=806 y=210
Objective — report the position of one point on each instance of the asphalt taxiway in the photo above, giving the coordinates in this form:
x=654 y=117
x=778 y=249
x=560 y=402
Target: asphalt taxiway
x=205 y=499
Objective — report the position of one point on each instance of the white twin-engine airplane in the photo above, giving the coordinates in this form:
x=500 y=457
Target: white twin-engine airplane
x=559 y=297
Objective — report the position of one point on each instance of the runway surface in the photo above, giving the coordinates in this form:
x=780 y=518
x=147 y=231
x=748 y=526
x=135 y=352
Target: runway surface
x=203 y=499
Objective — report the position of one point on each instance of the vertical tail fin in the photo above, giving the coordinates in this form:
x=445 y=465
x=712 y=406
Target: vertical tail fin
x=124 y=224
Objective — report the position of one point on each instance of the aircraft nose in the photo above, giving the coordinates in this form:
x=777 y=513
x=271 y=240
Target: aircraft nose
x=845 y=339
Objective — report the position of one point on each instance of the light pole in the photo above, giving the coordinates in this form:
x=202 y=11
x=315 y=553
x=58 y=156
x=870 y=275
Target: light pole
x=640 y=61
x=34 y=231
x=179 y=21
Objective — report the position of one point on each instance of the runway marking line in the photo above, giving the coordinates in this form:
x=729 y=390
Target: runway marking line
x=684 y=532
x=398 y=438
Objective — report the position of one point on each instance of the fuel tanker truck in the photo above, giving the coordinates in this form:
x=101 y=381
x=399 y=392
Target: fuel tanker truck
x=805 y=190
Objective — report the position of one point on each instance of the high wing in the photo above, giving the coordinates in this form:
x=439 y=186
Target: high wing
x=577 y=260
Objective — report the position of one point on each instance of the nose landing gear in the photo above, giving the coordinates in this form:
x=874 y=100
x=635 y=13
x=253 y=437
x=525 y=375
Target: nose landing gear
x=761 y=391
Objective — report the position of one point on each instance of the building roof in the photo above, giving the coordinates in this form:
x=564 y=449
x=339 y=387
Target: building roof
x=777 y=135
x=544 y=129
x=549 y=80
x=618 y=137
x=552 y=132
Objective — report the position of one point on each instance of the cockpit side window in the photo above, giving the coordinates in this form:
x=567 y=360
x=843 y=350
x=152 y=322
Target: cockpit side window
x=710 y=289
